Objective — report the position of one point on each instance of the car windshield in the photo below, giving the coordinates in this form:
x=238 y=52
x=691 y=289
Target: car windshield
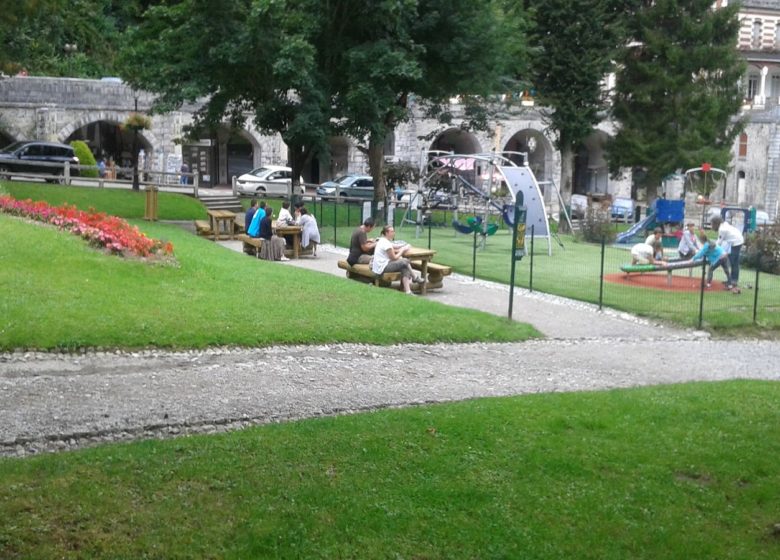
x=345 y=179
x=259 y=172
x=13 y=147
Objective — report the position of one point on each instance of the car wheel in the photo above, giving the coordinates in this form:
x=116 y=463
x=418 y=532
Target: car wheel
x=260 y=191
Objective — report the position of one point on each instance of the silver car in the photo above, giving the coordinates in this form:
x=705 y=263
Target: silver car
x=268 y=179
x=353 y=186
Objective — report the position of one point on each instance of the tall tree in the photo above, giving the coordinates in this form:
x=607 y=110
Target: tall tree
x=677 y=89
x=268 y=58
x=430 y=49
x=575 y=45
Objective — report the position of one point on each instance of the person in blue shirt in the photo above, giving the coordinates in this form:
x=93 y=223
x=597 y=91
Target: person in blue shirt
x=254 y=226
x=716 y=256
x=250 y=213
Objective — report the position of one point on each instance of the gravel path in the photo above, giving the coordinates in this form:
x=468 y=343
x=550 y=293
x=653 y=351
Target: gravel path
x=51 y=402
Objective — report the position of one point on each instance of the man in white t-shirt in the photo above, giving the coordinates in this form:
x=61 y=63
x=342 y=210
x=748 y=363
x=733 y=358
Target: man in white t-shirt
x=731 y=239
x=645 y=253
x=388 y=259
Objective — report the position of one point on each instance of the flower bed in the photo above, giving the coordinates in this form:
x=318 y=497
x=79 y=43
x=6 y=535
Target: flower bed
x=99 y=229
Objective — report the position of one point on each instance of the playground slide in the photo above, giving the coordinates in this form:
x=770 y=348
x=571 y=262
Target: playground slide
x=629 y=235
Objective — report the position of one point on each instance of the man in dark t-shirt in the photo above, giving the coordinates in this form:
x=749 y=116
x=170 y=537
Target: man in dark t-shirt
x=360 y=247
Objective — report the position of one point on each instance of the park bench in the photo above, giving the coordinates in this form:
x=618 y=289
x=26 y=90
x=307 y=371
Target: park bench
x=436 y=273
x=251 y=245
x=364 y=273
x=203 y=227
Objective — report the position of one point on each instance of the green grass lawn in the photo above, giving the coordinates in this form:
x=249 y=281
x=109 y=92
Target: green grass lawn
x=60 y=293
x=684 y=471
x=117 y=202
x=574 y=271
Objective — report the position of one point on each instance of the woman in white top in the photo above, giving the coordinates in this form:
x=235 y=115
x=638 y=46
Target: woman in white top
x=310 y=233
x=388 y=259
x=285 y=218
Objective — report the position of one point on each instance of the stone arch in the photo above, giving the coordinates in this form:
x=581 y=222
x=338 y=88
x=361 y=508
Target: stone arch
x=456 y=140
x=91 y=127
x=539 y=148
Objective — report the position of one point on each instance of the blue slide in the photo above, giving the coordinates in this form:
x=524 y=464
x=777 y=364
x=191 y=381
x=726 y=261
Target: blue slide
x=632 y=234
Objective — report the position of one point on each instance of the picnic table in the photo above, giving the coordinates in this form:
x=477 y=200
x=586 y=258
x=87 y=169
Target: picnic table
x=293 y=231
x=221 y=220
x=423 y=257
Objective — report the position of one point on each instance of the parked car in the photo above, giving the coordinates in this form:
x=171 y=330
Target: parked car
x=47 y=158
x=352 y=185
x=268 y=179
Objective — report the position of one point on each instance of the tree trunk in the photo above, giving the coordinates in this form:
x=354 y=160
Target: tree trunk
x=376 y=162
x=136 y=183
x=297 y=156
x=567 y=183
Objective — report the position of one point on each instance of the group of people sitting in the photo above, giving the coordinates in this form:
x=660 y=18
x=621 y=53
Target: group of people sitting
x=259 y=220
x=723 y=252
x=382 y=254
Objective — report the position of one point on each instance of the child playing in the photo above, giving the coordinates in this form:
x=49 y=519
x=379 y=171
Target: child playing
x=716 y=256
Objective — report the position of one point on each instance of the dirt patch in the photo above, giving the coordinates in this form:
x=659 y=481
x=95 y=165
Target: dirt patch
x=661 y=281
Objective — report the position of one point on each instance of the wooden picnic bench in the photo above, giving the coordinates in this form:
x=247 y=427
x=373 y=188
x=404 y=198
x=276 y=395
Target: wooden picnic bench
x=251 y=245
x=364 y=273
x=203 y=227
x=436 y=273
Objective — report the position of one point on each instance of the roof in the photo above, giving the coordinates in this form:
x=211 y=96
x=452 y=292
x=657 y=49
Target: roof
x=763 y=4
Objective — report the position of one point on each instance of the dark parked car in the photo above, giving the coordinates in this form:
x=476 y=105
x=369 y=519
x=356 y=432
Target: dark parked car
x=47 y=158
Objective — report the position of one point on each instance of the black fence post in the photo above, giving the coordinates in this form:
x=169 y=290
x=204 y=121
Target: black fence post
x=430 y=227
x=474 y=258
x=701 y=292
x=531 y=273
x=601 y=273
x=755 y=294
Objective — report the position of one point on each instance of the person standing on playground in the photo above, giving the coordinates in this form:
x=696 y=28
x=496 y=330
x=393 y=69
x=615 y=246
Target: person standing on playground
x=716 y=256
x=731 y=239
x=387 y=259
x=689 y=244
x=361 y=248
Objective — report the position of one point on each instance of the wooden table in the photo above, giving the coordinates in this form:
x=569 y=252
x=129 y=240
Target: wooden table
x=294 y=232
x=424 y=256
x=219 y=218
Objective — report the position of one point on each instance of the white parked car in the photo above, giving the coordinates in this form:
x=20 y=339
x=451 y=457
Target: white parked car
x=268 y=179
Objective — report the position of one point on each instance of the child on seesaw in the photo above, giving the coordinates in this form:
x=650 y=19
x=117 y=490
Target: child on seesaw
x=646 y=253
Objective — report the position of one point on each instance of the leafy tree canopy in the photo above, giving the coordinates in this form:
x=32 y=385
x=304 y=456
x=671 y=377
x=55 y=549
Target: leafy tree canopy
x=677 y=90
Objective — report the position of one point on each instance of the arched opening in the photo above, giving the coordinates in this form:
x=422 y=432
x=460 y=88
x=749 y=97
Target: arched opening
x=5 y=139
x=533 y=143
x=457 y=141
x=591 y=173
x=109 y=141
x=234 y=155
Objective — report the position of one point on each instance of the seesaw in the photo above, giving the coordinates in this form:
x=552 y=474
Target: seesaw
x=669 y=267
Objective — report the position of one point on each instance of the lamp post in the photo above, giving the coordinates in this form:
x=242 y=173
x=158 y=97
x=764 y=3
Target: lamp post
x=70 y=49
x=136 y=185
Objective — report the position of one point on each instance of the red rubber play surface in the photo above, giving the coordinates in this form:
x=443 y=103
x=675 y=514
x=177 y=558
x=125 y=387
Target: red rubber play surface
x=660 y=281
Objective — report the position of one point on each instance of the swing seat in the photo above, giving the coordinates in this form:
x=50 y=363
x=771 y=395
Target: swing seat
x=461 y=228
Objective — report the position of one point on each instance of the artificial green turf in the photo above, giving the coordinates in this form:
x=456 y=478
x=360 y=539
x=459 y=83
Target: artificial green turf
x=685 y=471
x=60 y=293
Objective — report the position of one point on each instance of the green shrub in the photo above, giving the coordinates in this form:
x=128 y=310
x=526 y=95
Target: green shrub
x=597 y=225
x=85 y=158
x=762 y=250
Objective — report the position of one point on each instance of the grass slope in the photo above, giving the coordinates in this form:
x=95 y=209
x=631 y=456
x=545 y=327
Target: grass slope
x=60 y=293
x=685 y=471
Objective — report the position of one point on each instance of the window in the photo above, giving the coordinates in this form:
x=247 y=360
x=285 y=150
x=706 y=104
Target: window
x=752 y=86
x=743 y=138
x=755 y=40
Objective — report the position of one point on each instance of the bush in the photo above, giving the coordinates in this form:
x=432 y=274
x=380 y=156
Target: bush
x=85 y=158
x=762 y=249
x=597 y=225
